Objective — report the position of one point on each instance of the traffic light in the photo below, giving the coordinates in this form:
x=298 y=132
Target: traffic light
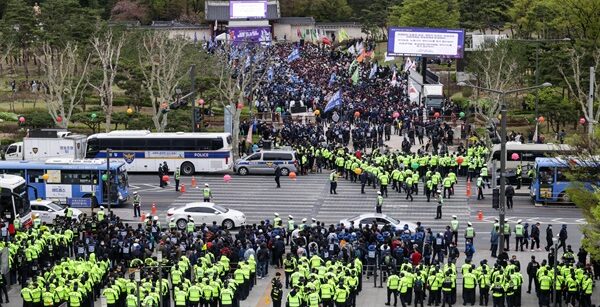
x=496 y=198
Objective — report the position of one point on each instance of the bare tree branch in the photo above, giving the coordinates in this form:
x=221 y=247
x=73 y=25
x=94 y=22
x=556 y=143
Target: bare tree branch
x=64 y=79
x=108 y=53
x=160 y=58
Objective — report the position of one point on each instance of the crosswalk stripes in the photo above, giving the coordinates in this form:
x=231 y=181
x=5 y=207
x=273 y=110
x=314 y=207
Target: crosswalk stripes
x=308 y=197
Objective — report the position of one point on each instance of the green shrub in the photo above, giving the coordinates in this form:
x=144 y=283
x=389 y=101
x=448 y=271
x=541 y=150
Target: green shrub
x=8 y=117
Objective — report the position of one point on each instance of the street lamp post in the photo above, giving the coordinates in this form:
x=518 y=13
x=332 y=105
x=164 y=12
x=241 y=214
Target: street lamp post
x=503 y=111
x=554 y=267
x=108 y=152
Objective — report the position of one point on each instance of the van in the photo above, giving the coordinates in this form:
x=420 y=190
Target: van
x=263 y=162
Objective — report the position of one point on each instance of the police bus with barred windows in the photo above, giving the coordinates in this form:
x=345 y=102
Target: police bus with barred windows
x=14 y=200
x=523 y=155
x=144 y=151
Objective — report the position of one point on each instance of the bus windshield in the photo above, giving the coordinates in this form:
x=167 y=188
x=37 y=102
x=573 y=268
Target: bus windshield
x=22 y=206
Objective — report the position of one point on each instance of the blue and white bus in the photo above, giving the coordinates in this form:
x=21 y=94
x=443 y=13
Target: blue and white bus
x=144 y=151
x=68 y=179
x=550 y=182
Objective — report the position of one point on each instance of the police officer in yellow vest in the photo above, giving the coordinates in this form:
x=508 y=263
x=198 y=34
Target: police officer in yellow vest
x=227 y=296
x=519 y=175
x=393 y=282
x=379 y=203
x=277 y=220
x=111 y=296
x=291 y=225
x=190 y=225
x=469 y=233
x=341 y=295
x=177 y=176
x=294 y=299
x=101 y=214
x=454 y=228
x=545 y=282
x=333 y=182
x=519 y=233
x=206 y=193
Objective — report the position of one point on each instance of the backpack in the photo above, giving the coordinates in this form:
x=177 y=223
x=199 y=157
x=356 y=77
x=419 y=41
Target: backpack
x=418 y=285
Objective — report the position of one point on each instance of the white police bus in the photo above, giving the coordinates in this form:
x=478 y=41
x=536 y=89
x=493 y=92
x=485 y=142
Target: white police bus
x=143 y=151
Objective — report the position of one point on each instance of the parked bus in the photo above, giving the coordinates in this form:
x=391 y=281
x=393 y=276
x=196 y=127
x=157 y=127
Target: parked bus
x=550 y=182
x=143 y=151
x=72 y=179
x=527 y=154
x=14 y=199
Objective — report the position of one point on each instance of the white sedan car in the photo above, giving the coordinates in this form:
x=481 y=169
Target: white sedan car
x=206 y=213
x=381 y=219
x=47 y=210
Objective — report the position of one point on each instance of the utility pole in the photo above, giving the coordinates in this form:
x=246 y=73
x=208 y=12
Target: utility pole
x=193 y=88
x=502 y=195
x=108 y=152
x=591 y=97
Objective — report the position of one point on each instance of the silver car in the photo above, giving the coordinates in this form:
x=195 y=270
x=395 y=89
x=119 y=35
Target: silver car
x=263 y=162
x=381 y=219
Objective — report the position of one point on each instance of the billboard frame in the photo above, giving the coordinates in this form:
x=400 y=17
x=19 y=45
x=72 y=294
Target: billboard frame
x=460 y=44
x=264 y=16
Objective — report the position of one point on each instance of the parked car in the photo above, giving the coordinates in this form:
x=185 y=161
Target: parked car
x=47 y=210
x=263 y=162
x=206 y=213
x=381 y=219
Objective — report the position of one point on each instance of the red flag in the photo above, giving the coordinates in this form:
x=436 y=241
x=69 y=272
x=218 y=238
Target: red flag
x=326 y=41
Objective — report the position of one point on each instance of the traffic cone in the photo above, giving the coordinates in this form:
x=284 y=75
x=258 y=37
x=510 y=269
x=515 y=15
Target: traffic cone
x=182 y=189
x=143 y=218
x=193 y=185
x=153 y=209
x=480 y=215
x=469 y=188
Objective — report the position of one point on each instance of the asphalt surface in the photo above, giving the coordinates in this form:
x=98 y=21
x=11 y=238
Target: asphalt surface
x=308 y=197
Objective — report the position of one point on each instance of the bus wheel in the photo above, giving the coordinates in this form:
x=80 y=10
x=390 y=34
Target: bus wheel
x=243 y=171
x=187 y=169
x=564 y=197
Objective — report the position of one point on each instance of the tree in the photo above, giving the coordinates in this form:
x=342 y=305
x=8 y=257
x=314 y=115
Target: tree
x=107 y=52
x=160 y=58
x=575 y=74
x=238 y=79
x=374 y=17
x=584 y=190
x=65 y=82
x=483 y=15
x=556 y=108
x=19 y=29
x=425 y=13
x=127 y=10
x=496 y=66
x=66 y=21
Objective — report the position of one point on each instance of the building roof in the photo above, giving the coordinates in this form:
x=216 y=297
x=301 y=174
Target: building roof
x=219 y=10
x=339 y=24
x=296 y=21
x=168 y=25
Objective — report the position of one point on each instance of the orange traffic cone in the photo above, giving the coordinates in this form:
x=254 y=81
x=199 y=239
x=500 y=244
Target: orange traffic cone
x=143 y=218
x=480 y=215
x=193 y=185
x=469 y=188
x=153 y=210
x=182 y=189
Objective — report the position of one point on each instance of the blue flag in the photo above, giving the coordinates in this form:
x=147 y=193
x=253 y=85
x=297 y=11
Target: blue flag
x=270 y=74
x=294 y=55
x=335 y=101
x=332 y=78
x=373 y=71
